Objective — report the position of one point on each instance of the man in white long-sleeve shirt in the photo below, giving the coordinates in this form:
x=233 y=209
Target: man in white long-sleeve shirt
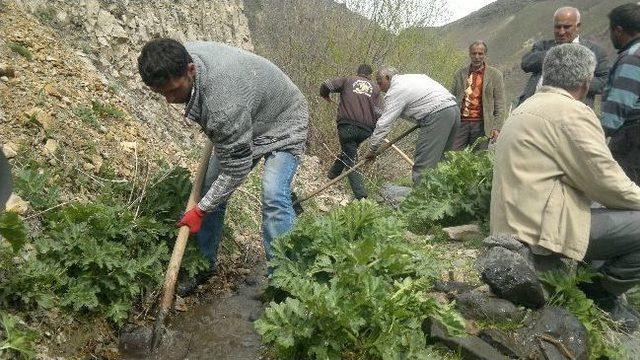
x=418 y=98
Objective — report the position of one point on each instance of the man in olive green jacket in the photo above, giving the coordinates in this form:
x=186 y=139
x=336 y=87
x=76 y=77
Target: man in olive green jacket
x=479 y=91
x=551 y=163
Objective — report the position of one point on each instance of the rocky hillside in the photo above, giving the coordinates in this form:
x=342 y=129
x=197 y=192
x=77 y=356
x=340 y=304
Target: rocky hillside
x=510 y=27
x=69 y=57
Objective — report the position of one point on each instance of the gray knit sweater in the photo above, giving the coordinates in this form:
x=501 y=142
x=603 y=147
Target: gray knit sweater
x=248 y=107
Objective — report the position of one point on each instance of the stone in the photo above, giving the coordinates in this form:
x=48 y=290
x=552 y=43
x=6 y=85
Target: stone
x=129 y=145
x=394 y=194
x=88 y=167
x=39 y=117
x=483 y=305
x=506 y=241
x=7 y=71
x=52 y=91
x=17 y=205
x=51 y=146
x=4 y=79
x=97 y=161
x=506 y=342
x=510 y=277
x=557 y=334
x=9 y=150
x=470 y=347
x=462 y=232
x=180 y=304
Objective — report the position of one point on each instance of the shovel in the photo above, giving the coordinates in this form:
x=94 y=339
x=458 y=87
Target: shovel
x=382 y=149
x=171 y=276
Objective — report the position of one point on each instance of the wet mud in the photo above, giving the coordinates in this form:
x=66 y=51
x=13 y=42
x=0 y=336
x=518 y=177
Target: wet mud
x=221 y=328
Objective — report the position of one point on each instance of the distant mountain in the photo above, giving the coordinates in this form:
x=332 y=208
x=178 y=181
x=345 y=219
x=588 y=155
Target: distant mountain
x=510 y=27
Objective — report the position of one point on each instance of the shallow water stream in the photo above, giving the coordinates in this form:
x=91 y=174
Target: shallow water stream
x=219 y=329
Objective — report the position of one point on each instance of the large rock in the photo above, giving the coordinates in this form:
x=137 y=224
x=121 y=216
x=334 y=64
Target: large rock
x=482 y=305
x=394 y=194
x=463 y=232
x=470 y=347
x=510 y=277
x=558 y=335
x=554 y=334
x=506 y=342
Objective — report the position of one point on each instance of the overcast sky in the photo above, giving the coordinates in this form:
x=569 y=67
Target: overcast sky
x=460 y=8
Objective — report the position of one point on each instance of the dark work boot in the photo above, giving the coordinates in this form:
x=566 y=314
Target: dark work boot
x=187 y=285
x=335 y=170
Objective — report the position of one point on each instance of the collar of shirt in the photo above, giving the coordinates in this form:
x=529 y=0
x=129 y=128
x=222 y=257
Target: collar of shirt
x=629 y=44
x=479 y=71
x=576 y=40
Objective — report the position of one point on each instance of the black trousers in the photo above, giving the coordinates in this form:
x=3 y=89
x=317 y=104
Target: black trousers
x=625 y=148
x=350 y=136
x=615 y=239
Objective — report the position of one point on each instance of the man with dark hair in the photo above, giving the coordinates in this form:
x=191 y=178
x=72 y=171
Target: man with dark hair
x=566 y=29
x=251 y=111
x=621 y=98
x=356 y=119
x=479 y=91
x=551 y=163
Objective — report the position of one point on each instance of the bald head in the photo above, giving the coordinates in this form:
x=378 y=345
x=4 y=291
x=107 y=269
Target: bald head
x=384 y=76
x=566 y=24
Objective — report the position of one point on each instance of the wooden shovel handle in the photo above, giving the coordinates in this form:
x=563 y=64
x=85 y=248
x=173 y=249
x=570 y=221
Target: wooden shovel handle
x=382 y=149
x=183 y=235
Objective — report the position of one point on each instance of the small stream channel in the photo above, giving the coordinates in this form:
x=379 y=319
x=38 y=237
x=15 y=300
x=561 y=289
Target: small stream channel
x=221 y=329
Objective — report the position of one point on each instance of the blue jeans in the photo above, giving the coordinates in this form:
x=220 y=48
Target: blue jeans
x=277 y=209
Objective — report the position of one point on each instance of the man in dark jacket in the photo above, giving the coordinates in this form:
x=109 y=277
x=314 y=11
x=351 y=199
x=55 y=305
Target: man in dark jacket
x=357 y=115
x=566 y=28
x=251 y=111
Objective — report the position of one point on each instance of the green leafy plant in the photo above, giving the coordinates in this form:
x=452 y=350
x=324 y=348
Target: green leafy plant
x=355 y=288
x=106 y=257
x=36 y=184
x=12 y=229
x=106 y=110
x=21 y=50
x=456 y=192
x=87 y=115
x=16 y=341
x=565 y=293
x=165 y=201
x=46 y=14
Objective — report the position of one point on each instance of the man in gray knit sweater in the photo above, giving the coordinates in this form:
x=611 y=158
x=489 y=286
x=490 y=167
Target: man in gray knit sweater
x=251 y=111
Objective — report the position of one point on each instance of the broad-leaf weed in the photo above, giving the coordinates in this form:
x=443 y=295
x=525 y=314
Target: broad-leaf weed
x=355 y=287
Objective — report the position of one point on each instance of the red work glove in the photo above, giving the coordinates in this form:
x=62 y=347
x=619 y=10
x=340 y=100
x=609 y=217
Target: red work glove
x=192 y=219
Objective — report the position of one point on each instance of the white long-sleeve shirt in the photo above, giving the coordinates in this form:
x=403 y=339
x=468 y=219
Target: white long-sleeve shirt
x=413 y=97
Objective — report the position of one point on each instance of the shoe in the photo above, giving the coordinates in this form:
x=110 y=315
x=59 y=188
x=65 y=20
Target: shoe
x=333 y=173
x=187 y=285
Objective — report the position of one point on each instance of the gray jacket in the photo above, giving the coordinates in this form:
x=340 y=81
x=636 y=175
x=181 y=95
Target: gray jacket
x=532 y=63
x=248 y=107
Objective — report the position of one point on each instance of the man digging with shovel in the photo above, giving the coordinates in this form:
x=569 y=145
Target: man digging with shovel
x=250 y=110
